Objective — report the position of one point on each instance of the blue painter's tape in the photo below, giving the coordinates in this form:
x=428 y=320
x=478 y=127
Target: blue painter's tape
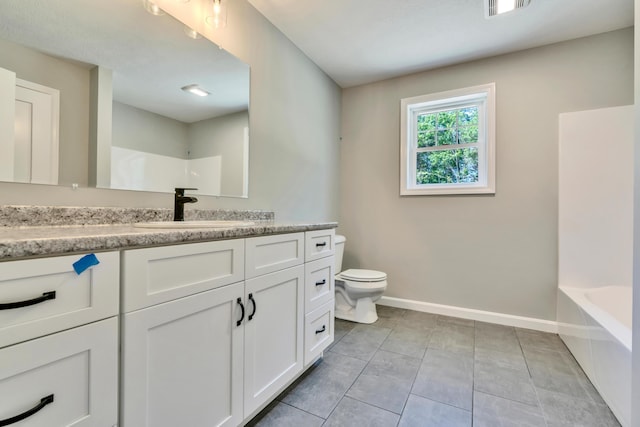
x=85 y=262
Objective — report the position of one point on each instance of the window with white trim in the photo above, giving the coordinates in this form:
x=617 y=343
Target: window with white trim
x=448 y=142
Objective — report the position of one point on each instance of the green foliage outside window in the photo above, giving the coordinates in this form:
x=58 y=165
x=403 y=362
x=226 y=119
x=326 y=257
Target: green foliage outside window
x=447 y=166
x=447 y=128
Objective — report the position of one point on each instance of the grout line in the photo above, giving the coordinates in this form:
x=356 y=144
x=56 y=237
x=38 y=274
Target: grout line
x=300 y=409
x=535 y=389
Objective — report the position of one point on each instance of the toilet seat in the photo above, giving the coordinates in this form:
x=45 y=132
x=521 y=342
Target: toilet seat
x=358 y=275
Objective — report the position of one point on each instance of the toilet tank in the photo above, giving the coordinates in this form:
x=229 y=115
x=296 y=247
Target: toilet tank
x=339 y=241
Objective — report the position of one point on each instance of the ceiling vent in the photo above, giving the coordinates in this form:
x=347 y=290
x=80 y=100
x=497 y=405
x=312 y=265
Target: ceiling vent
x=497 y=7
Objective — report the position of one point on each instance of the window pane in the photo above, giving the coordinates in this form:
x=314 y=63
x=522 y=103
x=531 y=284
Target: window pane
x=447 y=137
x=468 y=116
x=447 y=166
x=447 y=119
x=426 y=139
x=467 y=134
x=426 y=122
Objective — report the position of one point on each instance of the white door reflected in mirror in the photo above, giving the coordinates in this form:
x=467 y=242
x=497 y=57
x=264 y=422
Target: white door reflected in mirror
x=30 y=116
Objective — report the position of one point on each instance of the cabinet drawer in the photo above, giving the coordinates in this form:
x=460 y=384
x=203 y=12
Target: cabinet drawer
x=79 y=367
x=319 y=283
x=318 y=334
x=79 y=298
x=272 y=253
x=319 y=244
x=156 y=275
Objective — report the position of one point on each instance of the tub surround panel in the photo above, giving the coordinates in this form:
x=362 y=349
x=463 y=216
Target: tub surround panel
x=595 y=210
x=17 y=216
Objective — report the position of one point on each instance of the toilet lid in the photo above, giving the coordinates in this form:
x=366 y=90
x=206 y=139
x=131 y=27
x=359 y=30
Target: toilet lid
x=363 y=275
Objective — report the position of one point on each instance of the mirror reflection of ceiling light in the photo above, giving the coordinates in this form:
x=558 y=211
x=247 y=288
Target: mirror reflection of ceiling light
x=496 y=7
x=196 y=90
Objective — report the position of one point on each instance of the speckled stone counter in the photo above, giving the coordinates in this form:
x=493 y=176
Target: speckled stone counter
x=17 y=242
x=16 y=216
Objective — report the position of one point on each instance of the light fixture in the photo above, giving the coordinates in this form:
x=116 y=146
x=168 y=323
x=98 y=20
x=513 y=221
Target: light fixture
x=195 y=89
x=218 y=18
x=496 y=7
x=152 y=8
x=191 y=33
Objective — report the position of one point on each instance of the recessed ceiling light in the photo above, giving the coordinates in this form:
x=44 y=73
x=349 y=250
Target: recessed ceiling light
x=496 y=7
x=195 y=89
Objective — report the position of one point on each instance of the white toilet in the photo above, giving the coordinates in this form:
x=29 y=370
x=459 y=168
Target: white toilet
x=357 y=290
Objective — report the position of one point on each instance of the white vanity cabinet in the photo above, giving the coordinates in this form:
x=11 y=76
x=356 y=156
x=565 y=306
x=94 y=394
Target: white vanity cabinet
x=182 y=335
x=212 y=332
x=59 y=342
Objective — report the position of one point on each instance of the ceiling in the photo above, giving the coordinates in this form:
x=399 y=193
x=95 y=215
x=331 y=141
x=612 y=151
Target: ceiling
x=151 y=57
x=362 y=41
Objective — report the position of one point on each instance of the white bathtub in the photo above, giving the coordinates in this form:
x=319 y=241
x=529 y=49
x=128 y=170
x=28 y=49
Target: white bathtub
x=595 y=324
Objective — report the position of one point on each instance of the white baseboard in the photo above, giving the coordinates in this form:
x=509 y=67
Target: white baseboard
x=472 y=314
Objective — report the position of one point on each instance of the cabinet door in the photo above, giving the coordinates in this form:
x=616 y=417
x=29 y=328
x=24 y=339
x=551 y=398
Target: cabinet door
x=182 y=362
x=68 y=379
x=274 y=331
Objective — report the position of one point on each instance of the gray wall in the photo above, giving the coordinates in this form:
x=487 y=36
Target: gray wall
x=222 y=136
x=294 y=131
x=72 y=80
x=635 y=387
x=142 y=130
x=495 y=253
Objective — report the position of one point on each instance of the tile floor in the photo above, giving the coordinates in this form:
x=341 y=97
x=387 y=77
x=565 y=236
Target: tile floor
x=419 y=369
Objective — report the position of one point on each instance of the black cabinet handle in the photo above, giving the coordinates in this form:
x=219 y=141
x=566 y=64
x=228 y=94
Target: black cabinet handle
x=321 y=245
x=321 y=330
x=322 y=282
x=239 y=322
x=10 y=305
x=43 y=402
x=255 y=307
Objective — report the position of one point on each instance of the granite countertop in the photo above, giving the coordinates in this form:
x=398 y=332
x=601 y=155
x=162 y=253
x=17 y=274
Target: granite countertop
x=93 y=230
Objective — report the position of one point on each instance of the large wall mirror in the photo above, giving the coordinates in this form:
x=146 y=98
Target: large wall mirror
x=91 y=93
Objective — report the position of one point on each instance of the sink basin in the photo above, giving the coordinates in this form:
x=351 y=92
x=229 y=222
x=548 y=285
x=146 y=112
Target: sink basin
x=193 y=224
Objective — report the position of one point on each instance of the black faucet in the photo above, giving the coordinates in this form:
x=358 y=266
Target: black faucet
x=178 y=203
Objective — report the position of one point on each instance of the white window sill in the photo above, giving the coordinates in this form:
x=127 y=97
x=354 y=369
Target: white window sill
x=447 y=189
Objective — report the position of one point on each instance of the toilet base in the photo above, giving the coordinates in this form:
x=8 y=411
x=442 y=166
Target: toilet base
x=363 y=312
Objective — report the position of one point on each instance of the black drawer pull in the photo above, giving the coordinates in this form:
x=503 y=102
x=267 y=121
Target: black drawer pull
x=43 y=402
x=322 y=282
x=46 y=296
x=239 y=322
x=255 y=307
x=321 y=245
x=321 y=330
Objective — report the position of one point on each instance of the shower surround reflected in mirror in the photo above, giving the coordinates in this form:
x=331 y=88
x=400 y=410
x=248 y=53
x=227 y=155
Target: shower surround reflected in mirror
x=125 y=122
